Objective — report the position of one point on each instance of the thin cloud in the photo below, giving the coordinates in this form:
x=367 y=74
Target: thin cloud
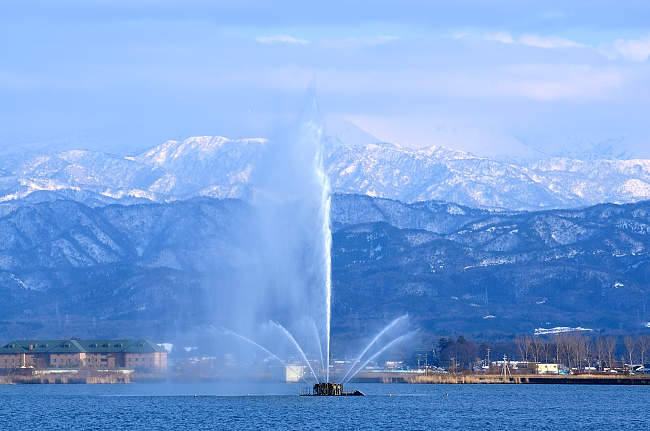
x=460 y=34
x=280 y=38
x=502 y=36
x=548 y=42
x=636 y=50
x=526 y=39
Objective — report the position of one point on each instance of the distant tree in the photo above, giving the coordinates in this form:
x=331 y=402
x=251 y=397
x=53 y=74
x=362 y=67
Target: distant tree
x=600 y=351
x=630 y=347
x=467 y=353
x=576 y=347
x=563 y=349
x=610 y=348
x=549 y=348
x=538 y=348
x=460 y=353
x=644 y=344
x=528 y=342
x=482 y=350
x=589 y=351
x=554 y=350
x=445 y=351
x=520 y=342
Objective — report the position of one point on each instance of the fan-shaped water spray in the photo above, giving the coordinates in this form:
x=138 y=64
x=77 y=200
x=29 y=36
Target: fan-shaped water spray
x=318 y=342
x=374 y=340
x=248 y=340
x=297 y=346
x=386 y=347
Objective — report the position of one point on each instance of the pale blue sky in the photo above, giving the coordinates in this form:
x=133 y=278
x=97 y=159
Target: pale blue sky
x=135 y=73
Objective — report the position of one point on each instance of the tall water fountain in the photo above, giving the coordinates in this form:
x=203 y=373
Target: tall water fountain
x=289 y=308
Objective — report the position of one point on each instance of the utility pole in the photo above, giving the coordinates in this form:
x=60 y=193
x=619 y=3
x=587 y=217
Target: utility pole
x=505 y=372
x=488 y=358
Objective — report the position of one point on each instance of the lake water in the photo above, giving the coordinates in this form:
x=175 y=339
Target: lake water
x=277 y=406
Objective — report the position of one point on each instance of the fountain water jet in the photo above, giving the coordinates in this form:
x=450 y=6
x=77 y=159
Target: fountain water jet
x=315 y=131
x=290 y=247
x=328 y=262
x=374 y=340
x=295 y=343
x=320 y=346
x=386 y=347
x=229 y=332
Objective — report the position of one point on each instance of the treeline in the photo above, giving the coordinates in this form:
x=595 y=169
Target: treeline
x=574 y=350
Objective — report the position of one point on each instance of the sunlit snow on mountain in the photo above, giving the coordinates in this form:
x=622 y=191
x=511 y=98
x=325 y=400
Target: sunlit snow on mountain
x=218 y=167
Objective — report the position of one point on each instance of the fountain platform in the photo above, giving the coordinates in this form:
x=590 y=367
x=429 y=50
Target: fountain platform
x=329 y=390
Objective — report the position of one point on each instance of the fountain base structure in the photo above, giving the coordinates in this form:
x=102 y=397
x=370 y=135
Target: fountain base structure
x=329 y=390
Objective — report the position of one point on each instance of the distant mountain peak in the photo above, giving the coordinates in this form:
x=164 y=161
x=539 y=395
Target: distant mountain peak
x=343 y=132
x=194 y=147
x=220 y=167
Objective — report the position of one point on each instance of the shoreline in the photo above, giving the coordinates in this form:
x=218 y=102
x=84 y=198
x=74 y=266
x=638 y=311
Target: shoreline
x=67 y=378
x=119 y=377
x=439 y=378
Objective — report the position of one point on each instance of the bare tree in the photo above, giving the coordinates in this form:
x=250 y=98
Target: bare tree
x=556 y=349
x=548 y=347
x=644 y=344
x=589 y=352
x=574 y=345
x=520 y=342
x=578 y=346
x=528 y=341
x=630 y=346
x=563 y=355
x=538 y=346
x=600 y=352
x=610 y=348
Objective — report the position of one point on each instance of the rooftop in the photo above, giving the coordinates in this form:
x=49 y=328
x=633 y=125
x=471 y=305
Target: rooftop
x=80 y=346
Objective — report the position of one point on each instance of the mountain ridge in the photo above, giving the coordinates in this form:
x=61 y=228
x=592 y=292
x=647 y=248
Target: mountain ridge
x=223 y=168
x=150 y=267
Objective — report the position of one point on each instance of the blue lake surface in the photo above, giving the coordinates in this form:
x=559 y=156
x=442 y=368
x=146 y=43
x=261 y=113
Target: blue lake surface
x=278 y=406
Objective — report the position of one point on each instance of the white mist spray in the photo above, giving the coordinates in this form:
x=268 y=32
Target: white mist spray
x=289 y=281
x=327 y=251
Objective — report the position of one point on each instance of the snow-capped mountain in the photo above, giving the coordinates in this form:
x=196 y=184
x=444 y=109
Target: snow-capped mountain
x=207 y=161
x=219 y=167
x=595 y=147
x=525 y=147
x=439 y=173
